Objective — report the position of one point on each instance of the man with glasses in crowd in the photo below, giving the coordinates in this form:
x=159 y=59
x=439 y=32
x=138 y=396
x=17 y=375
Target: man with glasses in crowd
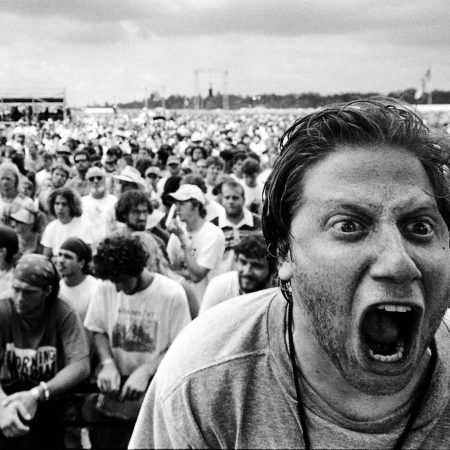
x=79 y=183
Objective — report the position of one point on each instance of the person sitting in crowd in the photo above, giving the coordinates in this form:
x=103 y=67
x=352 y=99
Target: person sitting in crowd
x=135 y=315
x=10 y=196
x=98 y=206
x=43 y=353
x=79 y=182
x=236 y=221
x=195 y=247
x=28 y=224
x=65 y=205
x=9 y=248
x=254 y=271
x=77 y=285
x=60 y=175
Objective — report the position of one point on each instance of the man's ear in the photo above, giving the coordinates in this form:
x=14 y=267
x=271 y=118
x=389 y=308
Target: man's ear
x=285 y=266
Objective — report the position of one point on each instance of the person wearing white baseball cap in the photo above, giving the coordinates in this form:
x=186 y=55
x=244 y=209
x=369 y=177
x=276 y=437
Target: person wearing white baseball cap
x=195 y=247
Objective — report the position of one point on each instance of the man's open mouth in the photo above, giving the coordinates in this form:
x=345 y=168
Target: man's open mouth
x=388 y=331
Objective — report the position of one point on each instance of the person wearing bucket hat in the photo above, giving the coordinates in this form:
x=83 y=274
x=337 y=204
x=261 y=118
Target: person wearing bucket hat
x=196 y=246
x=43 y=353
x=129 y=178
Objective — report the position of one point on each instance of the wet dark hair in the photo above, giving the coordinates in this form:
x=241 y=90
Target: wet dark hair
x=129 y=200
x=71 y=198
x=119 y=255
x=360 y=123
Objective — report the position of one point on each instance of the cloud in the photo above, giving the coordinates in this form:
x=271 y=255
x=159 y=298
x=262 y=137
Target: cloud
x=410 y=20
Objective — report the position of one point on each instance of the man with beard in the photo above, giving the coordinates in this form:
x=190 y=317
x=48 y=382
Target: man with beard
x=80 y=183
x=254 y=272
x=351 y=351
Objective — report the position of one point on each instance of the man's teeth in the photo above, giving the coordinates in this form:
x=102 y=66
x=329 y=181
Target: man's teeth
x=394 y=308
x=389 y=358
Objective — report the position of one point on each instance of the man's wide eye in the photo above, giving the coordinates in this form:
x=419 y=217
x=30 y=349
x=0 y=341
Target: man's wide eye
x=347 y=226
x=420 y=228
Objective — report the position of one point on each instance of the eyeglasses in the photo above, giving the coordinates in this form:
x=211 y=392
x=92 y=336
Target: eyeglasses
x=95 y=178
x=80 y=161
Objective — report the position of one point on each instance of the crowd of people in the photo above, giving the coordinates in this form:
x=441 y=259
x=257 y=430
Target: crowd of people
x=115 y=233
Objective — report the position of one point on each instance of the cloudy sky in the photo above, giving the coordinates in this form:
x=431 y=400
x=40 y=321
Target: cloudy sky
x=108 y=50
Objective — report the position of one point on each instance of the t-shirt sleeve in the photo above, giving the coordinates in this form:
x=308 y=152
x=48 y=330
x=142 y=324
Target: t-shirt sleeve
x=73 y=337
x=212 y=249
x=215 y=293
x=157 y=427
x=179 y=314
x=96 y=315
x=47 y=235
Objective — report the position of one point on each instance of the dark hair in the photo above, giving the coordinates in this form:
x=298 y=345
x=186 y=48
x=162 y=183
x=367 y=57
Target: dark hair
x=196 y=180
x=215 y=161
x=120 y=254
x=72 y=199
x=254 y=247
x=142 y=164
x=250 y=166
x=190 y=151
x=238 y=156
x=114 y=151
x=201 y=207
x=171 y=185
x=10 y=242
x=63 y=167
x=129 y=200
x=366 y=122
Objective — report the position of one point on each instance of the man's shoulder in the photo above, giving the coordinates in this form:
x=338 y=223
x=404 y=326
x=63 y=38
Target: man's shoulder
x=233 y=330
x=166 y=286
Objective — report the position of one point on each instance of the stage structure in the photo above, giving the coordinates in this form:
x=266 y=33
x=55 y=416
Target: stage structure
x=30 y=104
x=198 y=97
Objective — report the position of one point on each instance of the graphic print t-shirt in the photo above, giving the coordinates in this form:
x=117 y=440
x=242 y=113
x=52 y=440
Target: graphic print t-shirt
x=139 y=326
x=31 y=356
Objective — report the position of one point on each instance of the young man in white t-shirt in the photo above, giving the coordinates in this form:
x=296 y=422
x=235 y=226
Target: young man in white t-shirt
x=135 y=315
x=195 y=247
x=76 y=286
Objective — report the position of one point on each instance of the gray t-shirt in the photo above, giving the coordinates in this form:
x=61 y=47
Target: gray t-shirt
x=227 y=383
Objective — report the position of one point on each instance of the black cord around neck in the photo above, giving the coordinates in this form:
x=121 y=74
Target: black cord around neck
x=416 y=407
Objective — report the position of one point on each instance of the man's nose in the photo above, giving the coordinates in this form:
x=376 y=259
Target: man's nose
x=393 y=260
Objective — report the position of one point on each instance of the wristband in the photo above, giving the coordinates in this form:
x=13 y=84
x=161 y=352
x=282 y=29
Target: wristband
x=44 y=386
x=107 y=361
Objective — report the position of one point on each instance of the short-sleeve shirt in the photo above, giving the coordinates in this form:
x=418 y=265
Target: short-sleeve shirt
x=28 y=357
x=141 y=326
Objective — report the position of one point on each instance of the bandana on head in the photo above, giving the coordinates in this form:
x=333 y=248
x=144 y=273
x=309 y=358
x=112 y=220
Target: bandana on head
x=36 y=270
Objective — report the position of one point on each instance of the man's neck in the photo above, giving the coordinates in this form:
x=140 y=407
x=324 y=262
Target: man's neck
x=75 y=279
x=236 y=219
x=145 y=280
x=331 y=386
x=98 y=195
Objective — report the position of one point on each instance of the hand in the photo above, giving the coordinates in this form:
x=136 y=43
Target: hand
x=28 y=400
x=108 y=379
x=175 y=227
x=11 y=416
x=136 y=384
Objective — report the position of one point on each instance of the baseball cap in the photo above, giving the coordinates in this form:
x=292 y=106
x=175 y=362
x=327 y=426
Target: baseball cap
x=188 y=192
x=173 y=160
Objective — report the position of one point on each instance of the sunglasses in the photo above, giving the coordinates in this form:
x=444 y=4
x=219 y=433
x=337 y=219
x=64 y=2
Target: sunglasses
x=80 y=161
x=95 y=178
